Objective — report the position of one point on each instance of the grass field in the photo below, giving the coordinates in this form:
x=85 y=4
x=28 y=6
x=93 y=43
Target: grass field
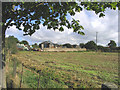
x=68 y=69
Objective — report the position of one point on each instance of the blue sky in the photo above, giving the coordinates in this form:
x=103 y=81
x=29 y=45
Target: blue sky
x=107 y=28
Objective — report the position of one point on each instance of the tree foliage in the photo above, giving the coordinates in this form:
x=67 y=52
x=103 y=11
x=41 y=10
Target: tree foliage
x=91 y=45
x=112 y=44
x=35 y=45
x=82 y=45
x=11 y=42
x=74 y=45
x=24 y=42
x=67 y=45
x=51 y=14
x=100 y=47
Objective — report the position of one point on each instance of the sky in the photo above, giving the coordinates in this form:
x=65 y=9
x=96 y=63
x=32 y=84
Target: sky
x=107 y=28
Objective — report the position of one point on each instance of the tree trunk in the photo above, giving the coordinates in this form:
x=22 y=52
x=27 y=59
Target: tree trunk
x=2 y=58
x=2 y=49
x=2 y=54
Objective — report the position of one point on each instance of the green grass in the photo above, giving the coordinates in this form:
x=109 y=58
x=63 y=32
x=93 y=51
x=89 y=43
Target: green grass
x=46 y=79
x=69 y=69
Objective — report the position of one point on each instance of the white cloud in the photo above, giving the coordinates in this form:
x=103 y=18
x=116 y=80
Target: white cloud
x=106 y=27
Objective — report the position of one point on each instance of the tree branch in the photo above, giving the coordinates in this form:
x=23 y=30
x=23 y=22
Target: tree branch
x=7 y=24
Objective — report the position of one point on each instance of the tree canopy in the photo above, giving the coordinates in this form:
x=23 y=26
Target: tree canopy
x=24 y=42
x=74 y=45
x=91 y=45
x=67 y=45
x=35 y=45
x=50 y=14
x=11 y=42
x=82 y=45
x=112 y=44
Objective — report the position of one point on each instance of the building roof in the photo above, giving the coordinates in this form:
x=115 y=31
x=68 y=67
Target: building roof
x=47 y=42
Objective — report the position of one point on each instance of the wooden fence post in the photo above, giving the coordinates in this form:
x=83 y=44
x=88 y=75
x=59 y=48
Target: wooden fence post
x=38 y=79
x=14 y=68
x=21 y=76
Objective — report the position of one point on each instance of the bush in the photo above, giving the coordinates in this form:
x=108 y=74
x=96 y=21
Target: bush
x=10 y=44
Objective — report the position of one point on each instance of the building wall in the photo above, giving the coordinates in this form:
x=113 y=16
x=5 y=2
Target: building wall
x=42 y=46
x=64 y=49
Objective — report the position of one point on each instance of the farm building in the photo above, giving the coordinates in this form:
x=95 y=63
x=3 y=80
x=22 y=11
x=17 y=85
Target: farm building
x=46 y=44
x=22 y=47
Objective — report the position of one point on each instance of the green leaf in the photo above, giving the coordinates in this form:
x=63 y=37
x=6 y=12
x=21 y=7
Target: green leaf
x=61 y=29
x=88 y=8
x=82 y=33
x=114 y=5
x=101 y=15
x=77 y=9
x=37 y=27
x=81 y=27
x=103 y=9
x=72 y=13
x=49 y=26
x=55 y=28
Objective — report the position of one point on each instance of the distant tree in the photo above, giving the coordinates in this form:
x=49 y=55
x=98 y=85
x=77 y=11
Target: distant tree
x=118 y=49
x=24 y=42
x=10 y=44
x=67 y=45
x=112 y=44
x=91 y=45
x=35 y=45
x=74 y=46
x=100 y=47
x=82 y=45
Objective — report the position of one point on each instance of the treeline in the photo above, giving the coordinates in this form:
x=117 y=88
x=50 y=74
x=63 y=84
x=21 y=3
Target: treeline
x=11 y=42
x=91 y=45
